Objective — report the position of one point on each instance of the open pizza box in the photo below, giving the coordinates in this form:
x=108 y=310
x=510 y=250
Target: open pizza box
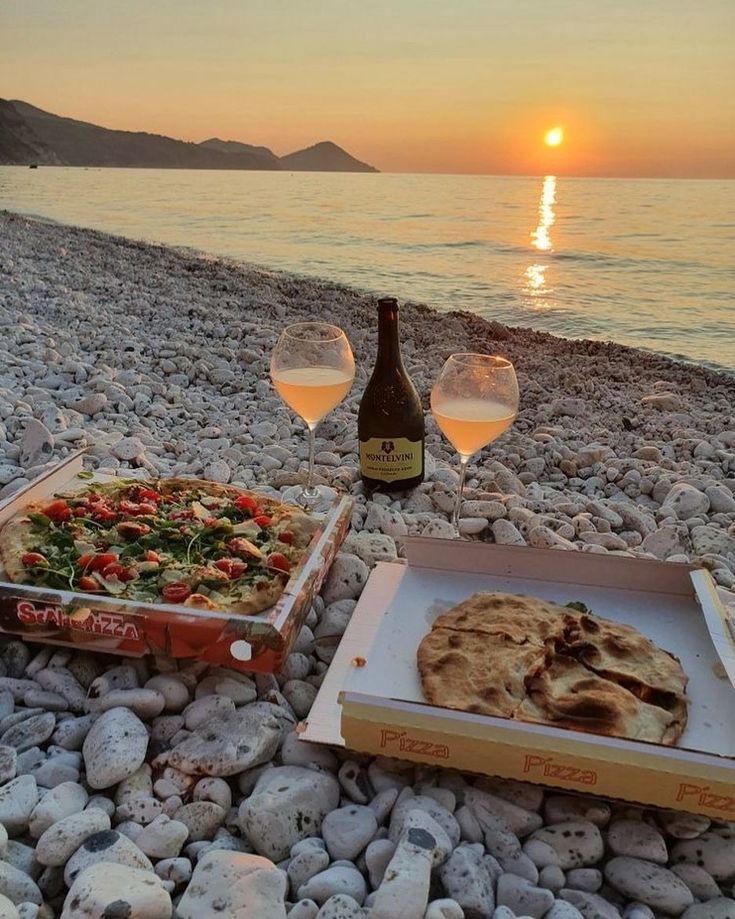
x=112 y=625
x=371 y=699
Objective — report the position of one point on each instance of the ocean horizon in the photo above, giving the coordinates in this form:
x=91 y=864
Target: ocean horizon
x=642 y=262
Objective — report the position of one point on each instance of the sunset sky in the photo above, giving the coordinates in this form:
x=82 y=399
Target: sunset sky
x=641 y=87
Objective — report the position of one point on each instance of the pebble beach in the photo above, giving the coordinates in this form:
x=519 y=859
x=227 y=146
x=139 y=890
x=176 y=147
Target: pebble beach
x=150 y=788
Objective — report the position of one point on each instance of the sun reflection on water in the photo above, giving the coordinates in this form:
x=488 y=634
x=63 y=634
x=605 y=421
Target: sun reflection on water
x=535 y=274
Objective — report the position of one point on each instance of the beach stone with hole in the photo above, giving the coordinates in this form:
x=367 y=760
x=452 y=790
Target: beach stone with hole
x=107 y=890
x=234 y=884
x=114 y=748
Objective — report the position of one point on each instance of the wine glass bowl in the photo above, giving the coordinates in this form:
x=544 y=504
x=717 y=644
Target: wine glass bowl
x=474 y=401
x=312 y=369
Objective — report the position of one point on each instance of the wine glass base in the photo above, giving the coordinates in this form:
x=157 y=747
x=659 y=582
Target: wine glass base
x=318 y=502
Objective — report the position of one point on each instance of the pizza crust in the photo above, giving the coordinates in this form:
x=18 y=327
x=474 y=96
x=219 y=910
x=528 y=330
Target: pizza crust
x=533 y=660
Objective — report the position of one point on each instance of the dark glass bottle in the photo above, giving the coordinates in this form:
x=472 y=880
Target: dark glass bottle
x=390 y=422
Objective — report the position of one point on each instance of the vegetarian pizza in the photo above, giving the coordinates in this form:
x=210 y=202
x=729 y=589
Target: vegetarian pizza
x=180 y=541
x=532 y=660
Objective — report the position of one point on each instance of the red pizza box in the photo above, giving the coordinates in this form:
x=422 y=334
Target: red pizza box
x=111 y=625
x=371 y=698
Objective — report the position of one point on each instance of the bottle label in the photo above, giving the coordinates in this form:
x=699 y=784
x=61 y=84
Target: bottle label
x=390 y=459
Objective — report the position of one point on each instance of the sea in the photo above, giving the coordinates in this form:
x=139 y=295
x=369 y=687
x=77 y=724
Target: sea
x=643 y=262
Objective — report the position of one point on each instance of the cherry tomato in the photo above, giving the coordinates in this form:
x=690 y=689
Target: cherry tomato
x=88 y=583
x=245 y=503
x=276 y=560
x=147 y=494
x=181 y=515
x=176 y=593
x=103 y=513
x=131 y=530
x=151 y=556
x=30 y=559
x=96 y=562
x=286 y=537
x=80 y=511
x=232 y=567
x=58 y=511
x=263 y=520
x=117 y=570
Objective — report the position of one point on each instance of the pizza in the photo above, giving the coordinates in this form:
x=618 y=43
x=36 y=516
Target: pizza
x=180 y=541
x=536 y=661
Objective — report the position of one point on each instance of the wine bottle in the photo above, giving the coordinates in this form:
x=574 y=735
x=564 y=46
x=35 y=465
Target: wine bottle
x=390 y=422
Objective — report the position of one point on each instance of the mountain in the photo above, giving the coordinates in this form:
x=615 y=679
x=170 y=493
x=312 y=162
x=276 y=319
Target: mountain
x=19 y=143
x=31 y=135
x=78 y=143
x=234 y=146
x=324 y=157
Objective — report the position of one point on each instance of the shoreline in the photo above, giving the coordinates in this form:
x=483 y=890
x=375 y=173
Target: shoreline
x=363 y=293
x=156 y=360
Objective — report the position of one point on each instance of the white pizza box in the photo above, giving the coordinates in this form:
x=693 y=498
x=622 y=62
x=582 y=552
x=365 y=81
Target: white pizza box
x=112 y=625
x=371 y=699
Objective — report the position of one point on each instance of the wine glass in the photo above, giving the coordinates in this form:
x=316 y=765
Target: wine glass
x=312 y=369
x=474 y=399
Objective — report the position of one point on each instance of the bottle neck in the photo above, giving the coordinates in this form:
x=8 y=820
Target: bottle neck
x=389 y=347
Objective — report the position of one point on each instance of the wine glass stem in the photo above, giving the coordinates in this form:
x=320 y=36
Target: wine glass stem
x=309 y=488
x=463 y=460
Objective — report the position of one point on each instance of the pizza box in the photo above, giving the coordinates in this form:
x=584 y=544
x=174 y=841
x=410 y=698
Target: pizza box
x=115 y=626
x=371 y=699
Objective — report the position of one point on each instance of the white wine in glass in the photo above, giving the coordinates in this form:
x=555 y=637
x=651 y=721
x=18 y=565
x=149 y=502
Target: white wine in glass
x=312 y=369
x=474 y=400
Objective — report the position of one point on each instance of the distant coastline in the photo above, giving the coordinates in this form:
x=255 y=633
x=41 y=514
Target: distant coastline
x=30 y=136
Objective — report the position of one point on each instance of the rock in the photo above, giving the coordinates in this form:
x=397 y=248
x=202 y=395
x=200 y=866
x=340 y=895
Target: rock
x=577 y=843
x=701 y=883
x=128 y=449
x=521 y=821
x=637 y=839
x=589 y=879
x=62 y=801
x=370 y=547
x=404 y=890
x=340 y=906
x=106 y=846
x=652 y=884
x=721 y=499
x=714 y=851
x=234 y=884
x=590 y=905
x=565 y=808
x=106 y=890
x=336 y=879
x=229 y=743
x=466 y=878
x=522 y=897
x=348 y=830
x=432 y=807
x=377 y=856
x=719 y=908
x=663 y=401
x=114 y=748
x=31 y=732
x=201 y=818
x=444 y=909
x=686 y=501
x=663 y=542
x=346 y=578
x=163 y=837
x=145 y=703
x=17 y=886
x=8 y=910
x=17 y=800
x=37 y=444
x=507 y=533
x=287 y=804
x=304 y=865
x=59 y=842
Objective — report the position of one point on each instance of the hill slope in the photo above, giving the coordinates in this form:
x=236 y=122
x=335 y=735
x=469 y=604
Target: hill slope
x=19 y=143
x=79 y=143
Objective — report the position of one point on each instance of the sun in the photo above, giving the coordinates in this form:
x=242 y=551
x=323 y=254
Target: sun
x=554 y=137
